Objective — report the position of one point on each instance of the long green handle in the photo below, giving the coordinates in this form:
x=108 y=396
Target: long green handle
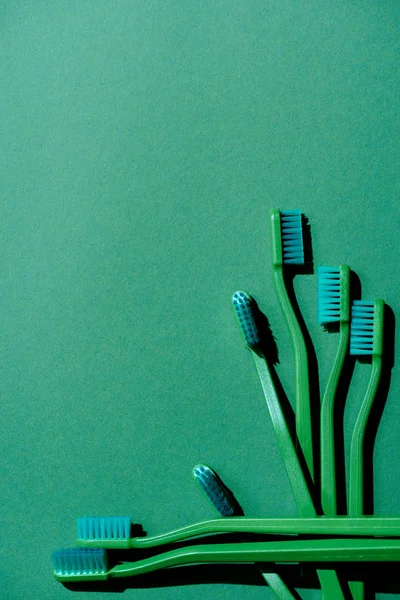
x=286 y=446
x=356 y=476
x=277 y=585
x=331 y=550
x=302 y=384
x=321 y=526
x=330 y=585
x=328 y=462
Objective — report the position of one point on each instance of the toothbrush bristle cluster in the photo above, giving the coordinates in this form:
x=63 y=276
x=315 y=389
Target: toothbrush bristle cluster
x=79 y=561
x=244 y=305
x=104 y=528
x=329 y=284
x=362 y=328
x=292 y=237
x=215 y=490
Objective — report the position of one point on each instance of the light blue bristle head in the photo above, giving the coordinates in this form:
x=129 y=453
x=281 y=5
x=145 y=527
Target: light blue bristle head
x=244 y=308
x=104 y=528
x=79 y=561
x=328 y=295
x=292 y=237
x=362 y=328
x=212 y=486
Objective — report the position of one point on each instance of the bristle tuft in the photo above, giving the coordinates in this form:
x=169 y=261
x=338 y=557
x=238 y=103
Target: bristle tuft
x=244 y=308
x=79 y=561
x=292 y=237
x=362 y=328
x=104 y=528
x=329 y=295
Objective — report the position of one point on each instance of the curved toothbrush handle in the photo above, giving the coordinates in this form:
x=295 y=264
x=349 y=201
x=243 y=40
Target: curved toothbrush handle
x=356 y=470
x=356 y=476
x=327 y=550
x=328 y=463
x=330 y=584
x=303 y=403
x=286 y=446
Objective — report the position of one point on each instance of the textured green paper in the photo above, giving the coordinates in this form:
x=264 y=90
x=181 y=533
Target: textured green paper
x=142 y=146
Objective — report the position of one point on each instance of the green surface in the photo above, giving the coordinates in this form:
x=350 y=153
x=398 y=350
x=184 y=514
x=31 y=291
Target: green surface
x=143 y=145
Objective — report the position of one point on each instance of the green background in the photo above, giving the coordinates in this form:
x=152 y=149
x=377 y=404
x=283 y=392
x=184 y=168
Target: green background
x=143 y=145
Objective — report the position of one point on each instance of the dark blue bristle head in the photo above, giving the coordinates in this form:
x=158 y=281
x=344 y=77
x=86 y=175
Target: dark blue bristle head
x=244 y=308
x=217 y=493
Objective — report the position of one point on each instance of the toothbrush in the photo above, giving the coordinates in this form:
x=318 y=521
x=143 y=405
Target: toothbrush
x=244 y=307
x=226 y=505
x=115 y=532
x=288 y=251
x=333 y=307
x=88 y=564
x=366 y=339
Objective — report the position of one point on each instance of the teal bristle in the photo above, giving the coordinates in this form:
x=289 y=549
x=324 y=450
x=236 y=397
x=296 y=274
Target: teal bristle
x=292 y=237
x=79 y=561
x=244 y=305
x=362 y=328
x=216 y=492
x=328 y=295
x=104 y=528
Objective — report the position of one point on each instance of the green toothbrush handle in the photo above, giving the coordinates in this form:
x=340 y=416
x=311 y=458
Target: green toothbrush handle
x=303 y=404
x=356 y=476
x=331 y=550
x=342 y=526
x=277 y=585
x=330 y=584
x=286 y=446
x=328 y=463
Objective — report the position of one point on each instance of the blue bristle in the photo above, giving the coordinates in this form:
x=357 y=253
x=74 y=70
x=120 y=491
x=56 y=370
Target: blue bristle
x=362 y=328
x=215 y=490
x=79 y=561
x=104 y=528
x=244 y=305
x=292 y=237
x=328 y=295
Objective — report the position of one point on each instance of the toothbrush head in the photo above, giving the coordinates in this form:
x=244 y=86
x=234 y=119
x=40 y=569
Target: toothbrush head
x=366 y=328
x=219 y=496
x=333 y=295
x=292 y=237
x=76 y=564
x=116 y=530
x=287 y=237
x=244 y=306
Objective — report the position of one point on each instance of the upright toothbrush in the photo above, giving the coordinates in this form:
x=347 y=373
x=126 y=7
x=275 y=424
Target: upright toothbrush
x=333 y=308
x=244 y=307
x=226 y=505
x=366 y=339
x=91 y=564
x=288 y=251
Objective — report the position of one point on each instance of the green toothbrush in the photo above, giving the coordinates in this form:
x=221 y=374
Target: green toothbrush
x=226 y=506
x=366 y=339
x=333 y=307
x=91 y=564
x=115 y=532
x=244 y=307
x=288 y=251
